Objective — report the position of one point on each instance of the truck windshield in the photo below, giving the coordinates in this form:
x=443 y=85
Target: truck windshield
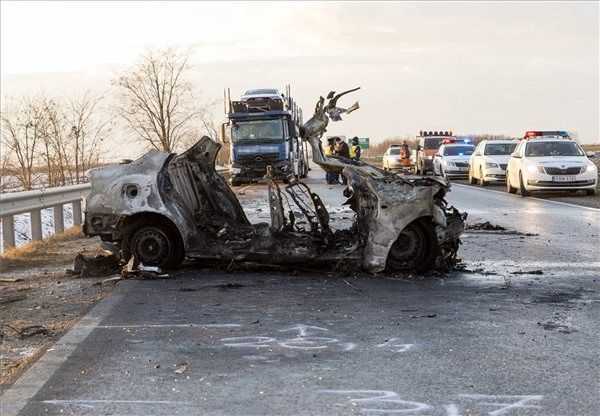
x=458 y=151
x=499 y=149
x=257 y=130
x=562 y=148
x=432 y=142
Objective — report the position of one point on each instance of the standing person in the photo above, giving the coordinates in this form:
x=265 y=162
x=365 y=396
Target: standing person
x=329 y=150
x=342 y=149
x=355 y=150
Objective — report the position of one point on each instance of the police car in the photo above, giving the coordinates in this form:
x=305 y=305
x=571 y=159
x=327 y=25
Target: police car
x=548 y=161
x=488 y=162
x=452 y=158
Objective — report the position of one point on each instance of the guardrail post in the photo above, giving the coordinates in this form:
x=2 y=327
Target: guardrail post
x=36 y=224
x=8 y=231
x=59 y=219
x=77 y=212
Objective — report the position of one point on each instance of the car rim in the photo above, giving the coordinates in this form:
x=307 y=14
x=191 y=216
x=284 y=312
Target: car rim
x=151 y=246
x=409 y=246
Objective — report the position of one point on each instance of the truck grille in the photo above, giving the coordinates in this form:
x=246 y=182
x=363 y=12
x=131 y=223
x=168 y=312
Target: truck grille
x=461 y=164
x=259 y=159
x=574 y=170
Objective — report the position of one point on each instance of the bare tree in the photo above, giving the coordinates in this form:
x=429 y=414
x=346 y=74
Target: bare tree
x=22 y=127
x=87 y=132
x=157 y=101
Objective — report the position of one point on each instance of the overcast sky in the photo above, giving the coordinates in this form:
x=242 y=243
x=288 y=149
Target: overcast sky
x=500 y=67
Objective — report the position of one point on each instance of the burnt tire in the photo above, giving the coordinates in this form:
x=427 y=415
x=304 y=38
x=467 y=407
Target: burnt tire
x=156 y=245
x=415 y=248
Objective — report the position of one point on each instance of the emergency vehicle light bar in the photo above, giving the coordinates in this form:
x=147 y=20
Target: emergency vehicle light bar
x=424 y=133
x=536 y=133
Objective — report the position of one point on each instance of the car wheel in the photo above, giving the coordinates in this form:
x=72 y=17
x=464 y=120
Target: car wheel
x=522 y=190
x=509 y=188
x=472 y=180
x=590 y=192
x=415 y=248
x=482 y=181
x=156 y=245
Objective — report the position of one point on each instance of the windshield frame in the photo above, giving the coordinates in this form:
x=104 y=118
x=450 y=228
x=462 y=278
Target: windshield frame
x=574 y=145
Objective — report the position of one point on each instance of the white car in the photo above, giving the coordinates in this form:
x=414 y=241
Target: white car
x=452 y=160
x=392 y=157
x=261 y=93
x=550 y=163
x=488 y=162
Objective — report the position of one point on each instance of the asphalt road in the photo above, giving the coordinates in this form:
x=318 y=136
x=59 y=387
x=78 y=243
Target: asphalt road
x=517 y=333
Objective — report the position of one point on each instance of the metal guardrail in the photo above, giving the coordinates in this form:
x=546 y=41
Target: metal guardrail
x=33 y=202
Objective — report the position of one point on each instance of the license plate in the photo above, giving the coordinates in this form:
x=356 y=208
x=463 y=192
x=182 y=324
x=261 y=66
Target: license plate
x=563 y=178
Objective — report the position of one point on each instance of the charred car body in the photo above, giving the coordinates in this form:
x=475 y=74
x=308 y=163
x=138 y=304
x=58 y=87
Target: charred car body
x=164 y=207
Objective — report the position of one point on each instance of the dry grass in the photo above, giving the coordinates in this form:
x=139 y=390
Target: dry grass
x=35 y=253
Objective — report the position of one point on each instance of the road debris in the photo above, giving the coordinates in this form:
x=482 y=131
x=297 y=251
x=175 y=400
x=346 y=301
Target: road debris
x=486 y=226
x=181 y=368
x=97 y=265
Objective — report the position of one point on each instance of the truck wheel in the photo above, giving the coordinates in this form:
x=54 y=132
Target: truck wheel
x=157 y=245
x=415 y=248
x=522 y=190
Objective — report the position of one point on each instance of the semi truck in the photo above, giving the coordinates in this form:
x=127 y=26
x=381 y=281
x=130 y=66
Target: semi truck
x=262 y=132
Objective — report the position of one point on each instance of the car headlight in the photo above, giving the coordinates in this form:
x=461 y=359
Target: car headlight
x=491 y=165
x=532 y=168
x=590 y=167
x=449 y=163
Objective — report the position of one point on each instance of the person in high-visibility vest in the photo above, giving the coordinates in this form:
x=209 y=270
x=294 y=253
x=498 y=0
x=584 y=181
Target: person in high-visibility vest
x=330 y=177
x=355 y=150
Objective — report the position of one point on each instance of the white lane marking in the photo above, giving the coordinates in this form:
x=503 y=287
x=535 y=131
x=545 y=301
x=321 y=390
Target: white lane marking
x=529 y=197
x=29 y=384
x=538 y=264
x=190 y=325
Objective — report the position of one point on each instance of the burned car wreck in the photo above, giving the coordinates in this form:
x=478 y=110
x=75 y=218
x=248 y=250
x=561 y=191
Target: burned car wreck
x=164 y=207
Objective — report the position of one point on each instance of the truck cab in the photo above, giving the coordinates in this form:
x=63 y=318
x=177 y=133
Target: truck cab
x=263 y=133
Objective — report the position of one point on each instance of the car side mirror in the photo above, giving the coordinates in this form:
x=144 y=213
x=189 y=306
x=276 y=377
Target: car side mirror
x=224 y=133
